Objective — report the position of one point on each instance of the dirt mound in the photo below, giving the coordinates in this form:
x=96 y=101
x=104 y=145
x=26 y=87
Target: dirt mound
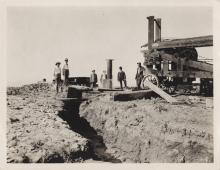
x=30 y=88
x=35 y=133
x=153 y=130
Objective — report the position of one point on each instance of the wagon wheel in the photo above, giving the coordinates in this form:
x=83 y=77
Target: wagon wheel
x=152 y=78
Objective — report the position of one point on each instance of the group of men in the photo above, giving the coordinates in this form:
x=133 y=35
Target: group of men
x=58 y=72
x=121 y=77
x=138 y=77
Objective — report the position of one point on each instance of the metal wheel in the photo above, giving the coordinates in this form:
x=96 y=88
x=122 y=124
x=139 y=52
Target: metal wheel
x=150 y=77
x=189 y=53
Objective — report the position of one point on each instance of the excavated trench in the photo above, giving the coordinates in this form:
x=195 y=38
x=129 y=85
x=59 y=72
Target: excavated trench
x=70 y=114
x=143 y=130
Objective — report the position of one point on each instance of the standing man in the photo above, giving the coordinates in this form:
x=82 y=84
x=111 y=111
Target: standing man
x=93 y=79
x=139 y=75
x=66 y=72
x=57 y=76
x=122 y=77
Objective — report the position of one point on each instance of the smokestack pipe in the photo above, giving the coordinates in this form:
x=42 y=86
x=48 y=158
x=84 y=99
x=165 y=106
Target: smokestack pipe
x=158 y=29
x=150 y=31
x=109 y=73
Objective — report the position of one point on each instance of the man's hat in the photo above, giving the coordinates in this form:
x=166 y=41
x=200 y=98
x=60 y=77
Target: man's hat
x=57 y=63
x=138 y=62
x=93 y=70
x=66 y=59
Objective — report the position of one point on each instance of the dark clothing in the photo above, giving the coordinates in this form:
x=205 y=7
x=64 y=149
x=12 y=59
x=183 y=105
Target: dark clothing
x=66 y=76
x=138 y=82
x=122 y=78
x=125 y=83
x=139 y=76
x=93 y=79
x=58 y=82
x=121 y=75
x=93 y=84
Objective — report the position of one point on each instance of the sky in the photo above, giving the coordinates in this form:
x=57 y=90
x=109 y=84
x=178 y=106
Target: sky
x=38 y=37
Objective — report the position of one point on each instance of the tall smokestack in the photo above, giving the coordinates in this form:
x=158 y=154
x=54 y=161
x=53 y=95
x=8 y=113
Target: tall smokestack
x=158 y=29
x=109 y=73
x=150 y=31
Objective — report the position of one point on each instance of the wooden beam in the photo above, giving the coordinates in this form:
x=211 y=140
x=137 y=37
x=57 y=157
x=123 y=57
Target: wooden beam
x=81 y=88
x=161 y=93
x=133 y=95
x=105 y=89
x=188 y=74
x=193 y=64
x=203 y=41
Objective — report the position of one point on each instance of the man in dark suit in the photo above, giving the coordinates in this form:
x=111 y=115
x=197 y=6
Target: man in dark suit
x=93 y=79
x=139 y=75
x=122 y=77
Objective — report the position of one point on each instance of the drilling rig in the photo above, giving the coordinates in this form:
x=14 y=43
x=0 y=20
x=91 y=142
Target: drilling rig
x=173 y=64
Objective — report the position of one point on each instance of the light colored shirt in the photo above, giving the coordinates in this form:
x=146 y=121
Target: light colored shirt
x=57 y=71
x=65 y=67
x=103 y=77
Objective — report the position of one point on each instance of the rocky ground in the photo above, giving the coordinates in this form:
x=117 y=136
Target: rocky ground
x=35 y=133
x=41 y=128
x=153 y=130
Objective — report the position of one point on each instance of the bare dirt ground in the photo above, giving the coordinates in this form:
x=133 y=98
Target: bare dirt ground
x=148 y=130
x=35 y=133
x=154 y=130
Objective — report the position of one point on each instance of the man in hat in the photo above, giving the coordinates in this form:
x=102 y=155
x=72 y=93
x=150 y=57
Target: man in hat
x=139 y=75
x=66 y=72
x=122 y=77
x=93 y=79
x=57 y=76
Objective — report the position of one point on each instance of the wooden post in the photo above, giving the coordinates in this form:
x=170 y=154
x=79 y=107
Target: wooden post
x=150 y=31
x=158 y=29
x=165 y=67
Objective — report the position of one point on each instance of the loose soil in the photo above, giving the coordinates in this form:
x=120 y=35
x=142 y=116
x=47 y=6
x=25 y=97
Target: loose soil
x=153 y=130
x=42 y=128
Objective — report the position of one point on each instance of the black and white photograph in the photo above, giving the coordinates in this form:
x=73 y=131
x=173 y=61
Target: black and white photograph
x=113 y=84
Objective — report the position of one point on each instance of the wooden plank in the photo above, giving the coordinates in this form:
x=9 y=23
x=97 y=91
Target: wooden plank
x=189 y=74
x=81 y=88
x=203 y=41
x=105 y=89
x=194 y=64
x=201 y=65
x=133 y=95
x=71 y=99
x=161 y=93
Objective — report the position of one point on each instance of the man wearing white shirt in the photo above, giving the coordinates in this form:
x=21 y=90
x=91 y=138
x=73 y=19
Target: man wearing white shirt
x=57 y=76
x=66 y=72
